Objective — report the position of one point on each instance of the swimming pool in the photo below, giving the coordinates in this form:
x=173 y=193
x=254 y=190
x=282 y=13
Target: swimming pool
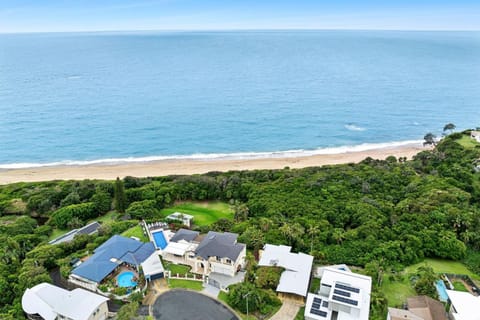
x=125 y=279
x=159 y=238
x=442 y=290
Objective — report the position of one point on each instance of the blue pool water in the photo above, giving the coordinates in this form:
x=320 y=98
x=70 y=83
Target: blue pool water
x=80 y=98
x=160 y=241
x=442 y=290
x=125 y=279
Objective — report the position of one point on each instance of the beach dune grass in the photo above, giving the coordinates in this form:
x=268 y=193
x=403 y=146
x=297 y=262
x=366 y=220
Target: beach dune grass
x=204 y=213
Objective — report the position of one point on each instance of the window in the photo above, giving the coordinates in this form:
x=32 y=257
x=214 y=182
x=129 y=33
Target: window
x=228 y=261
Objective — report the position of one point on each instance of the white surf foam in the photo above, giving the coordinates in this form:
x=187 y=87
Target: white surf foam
x=353 y=127
x=221 y=156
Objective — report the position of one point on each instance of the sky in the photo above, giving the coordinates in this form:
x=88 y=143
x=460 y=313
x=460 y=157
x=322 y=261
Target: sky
x=113 y=15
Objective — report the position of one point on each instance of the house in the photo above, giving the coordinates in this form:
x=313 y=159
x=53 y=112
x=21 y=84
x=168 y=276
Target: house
x=49 y=302
x=220 y=253
x=419 y=308
x=153 y=268
x=181 y=247
x=116 y=251
x=464 y=305
x=295 y=279
x=185 y=219
x=475 y=135
x=343 y=295
x=89 y=229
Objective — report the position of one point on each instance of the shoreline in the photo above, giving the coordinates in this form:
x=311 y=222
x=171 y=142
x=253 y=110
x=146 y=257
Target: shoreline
x=196 y=166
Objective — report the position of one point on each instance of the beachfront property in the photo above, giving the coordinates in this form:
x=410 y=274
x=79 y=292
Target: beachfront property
x=343 y=295
x=185 y=219
x=49 y=302
x=295 y=279
x=158 y=233
x=419 y=308
x=475 y=135
x=464 y=305
x=118 y=254
x=215 y=252
x=89 y=229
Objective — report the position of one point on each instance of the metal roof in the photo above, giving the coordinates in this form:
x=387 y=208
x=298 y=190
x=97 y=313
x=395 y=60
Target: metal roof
x=122 y=249
x=222 y=245
x=184 y=234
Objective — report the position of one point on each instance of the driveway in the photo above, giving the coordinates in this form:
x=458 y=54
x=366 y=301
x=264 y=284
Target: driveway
x=188 y=305
x=287 y=311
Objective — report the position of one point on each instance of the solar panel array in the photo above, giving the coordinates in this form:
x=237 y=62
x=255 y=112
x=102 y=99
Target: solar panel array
x=316 y=305
x=345 y=300
x=347 y=288
x=342 y=293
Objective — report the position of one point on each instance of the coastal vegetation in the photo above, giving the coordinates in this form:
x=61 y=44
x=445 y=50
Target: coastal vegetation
x=384 y=216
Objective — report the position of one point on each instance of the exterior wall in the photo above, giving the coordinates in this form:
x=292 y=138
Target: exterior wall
x=101 y=314
x=87 y=284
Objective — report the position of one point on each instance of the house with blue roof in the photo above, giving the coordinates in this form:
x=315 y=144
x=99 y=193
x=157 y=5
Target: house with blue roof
x=115 y=252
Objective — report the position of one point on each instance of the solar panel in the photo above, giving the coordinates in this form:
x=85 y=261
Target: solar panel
x=348 y=288
x=345 y=300
x=342 y=293
x=319 y=313
x=325 y=304
x=317 y=300
x=316 y=306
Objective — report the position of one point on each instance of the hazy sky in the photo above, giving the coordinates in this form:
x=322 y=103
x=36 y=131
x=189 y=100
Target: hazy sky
x=89 y=15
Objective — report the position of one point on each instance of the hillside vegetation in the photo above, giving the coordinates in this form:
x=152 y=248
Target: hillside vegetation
x=382 y=215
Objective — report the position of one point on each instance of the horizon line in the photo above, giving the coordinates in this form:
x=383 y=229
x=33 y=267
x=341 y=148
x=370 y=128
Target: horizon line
x=239 y=29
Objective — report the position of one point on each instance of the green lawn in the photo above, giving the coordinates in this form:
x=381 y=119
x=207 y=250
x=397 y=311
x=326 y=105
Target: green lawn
x=57 y=233
x=397 y=291
x=185 y=284
x=300 y=314
x=136 y=231
x=444 y=266
x=178 y=268
x=459 y=286
x=314 y=285
x=467 y=142
x=204 y=213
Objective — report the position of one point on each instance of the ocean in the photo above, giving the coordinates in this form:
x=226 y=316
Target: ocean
x=79 y=98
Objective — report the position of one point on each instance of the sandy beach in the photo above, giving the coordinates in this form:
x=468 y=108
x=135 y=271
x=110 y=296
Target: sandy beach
x=182 y=167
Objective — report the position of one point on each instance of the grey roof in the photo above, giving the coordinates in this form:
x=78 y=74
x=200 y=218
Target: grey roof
x=89 y=228
x=184 y=234
x=222 y=245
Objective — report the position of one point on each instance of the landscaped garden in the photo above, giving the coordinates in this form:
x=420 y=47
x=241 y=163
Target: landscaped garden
x=204 y=213
x=136 y=232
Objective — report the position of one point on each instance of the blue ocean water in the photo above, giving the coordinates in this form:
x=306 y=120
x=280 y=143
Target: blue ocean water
x=93 y=96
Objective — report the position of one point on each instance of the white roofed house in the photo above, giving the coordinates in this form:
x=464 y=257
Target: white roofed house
x=475 y=135
x=295 y=279
x=464 y=305
x=181 y=247
x=49 y=302
x=185 y=219
x=343 y=295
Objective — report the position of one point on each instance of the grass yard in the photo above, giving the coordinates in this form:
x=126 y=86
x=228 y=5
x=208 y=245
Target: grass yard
x=314 y=285
x=185 y=284
x=467 y=142
x=57 y=233
x=136 y=231
x=204 y=213
x=444 y=266
x=397 y=291
x=178 y=269
x=459 y=286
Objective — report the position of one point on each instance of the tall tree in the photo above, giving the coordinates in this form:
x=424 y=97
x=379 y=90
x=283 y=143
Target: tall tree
x=450 y=127
x=120 y=199
x=429 y=139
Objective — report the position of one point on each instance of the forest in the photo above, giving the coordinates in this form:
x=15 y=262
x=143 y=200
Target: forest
x=385 y=213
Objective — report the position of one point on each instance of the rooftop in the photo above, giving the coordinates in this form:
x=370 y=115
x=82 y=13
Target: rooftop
x=298 y=266
x=184 y=234
x=466 y=305
x=109 y=255
x=88 y=229
x=48 y=300
x=222 y=245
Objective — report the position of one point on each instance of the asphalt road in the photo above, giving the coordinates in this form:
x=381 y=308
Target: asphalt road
x=188 y=305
